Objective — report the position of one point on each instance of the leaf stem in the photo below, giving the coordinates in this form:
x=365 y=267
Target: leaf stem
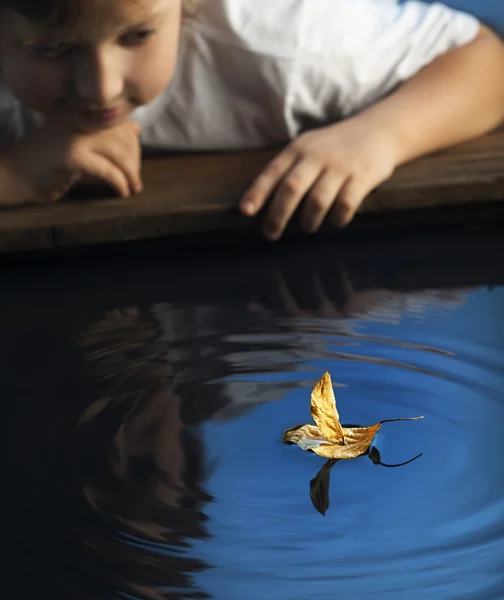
x=401 y=419
x=401 y=464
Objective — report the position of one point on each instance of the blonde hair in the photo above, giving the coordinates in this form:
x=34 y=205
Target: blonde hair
x=66 y=13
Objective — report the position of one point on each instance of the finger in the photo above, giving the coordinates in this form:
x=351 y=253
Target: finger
x=351 y=196
x=291 y=190
x=100 y=167
x=125 y=155
x=57 y=191
x=133 y=161
x=320 y=199
x=137 y=129
x=263 y=186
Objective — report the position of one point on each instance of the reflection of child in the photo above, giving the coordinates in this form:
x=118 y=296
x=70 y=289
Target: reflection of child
x=114 y=466
x=357 y=86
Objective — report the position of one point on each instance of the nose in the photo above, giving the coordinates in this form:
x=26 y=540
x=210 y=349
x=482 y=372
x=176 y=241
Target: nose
x=98 y=79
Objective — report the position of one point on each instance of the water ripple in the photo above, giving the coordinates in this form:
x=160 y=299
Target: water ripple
x=154 y=467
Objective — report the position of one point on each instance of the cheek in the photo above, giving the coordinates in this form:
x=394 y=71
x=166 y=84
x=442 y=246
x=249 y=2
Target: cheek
x=155 y=68
x=36 y=85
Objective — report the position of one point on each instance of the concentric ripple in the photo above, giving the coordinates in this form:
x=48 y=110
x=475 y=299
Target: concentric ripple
x=154 y=467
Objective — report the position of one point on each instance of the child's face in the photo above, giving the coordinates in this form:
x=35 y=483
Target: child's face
x=94 y=76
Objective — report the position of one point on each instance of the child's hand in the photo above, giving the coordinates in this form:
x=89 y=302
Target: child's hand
x=333 y=169
x=49 y=162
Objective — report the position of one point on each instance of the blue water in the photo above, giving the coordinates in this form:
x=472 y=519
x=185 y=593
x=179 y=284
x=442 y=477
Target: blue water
x=144 y=405
x=386 y=531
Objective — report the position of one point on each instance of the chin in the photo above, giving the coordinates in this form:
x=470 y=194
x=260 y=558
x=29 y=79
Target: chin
x=87 y=127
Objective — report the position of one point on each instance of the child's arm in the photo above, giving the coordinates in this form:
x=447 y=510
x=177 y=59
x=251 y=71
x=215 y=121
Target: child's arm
x=45 y=165
x=458 y=96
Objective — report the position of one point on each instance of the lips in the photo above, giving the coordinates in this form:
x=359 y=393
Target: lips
x=101 y=115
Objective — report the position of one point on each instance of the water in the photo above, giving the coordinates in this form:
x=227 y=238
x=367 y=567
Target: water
x=144 y=406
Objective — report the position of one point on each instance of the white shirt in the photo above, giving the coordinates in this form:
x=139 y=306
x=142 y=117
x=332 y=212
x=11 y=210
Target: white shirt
x=253 y=73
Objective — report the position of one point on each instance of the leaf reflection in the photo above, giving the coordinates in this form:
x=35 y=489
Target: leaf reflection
x=319 y=485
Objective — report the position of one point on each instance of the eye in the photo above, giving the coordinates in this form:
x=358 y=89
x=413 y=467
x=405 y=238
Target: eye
x=55 y=51
x=137 y=38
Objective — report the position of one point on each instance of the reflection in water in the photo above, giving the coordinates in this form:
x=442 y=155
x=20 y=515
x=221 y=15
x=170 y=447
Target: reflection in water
x=110 y=479
x=132 y=467
x=319 y=485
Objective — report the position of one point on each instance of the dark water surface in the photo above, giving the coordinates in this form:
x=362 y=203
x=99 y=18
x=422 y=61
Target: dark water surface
x=144 y=401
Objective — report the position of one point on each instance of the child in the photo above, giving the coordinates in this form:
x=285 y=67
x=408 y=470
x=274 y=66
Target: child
x=357 y=87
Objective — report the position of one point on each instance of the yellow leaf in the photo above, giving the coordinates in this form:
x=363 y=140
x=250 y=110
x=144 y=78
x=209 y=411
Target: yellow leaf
x=357 y=441
x=324 y=412
x=306 y=437
x=309 y=437
x=328 y=438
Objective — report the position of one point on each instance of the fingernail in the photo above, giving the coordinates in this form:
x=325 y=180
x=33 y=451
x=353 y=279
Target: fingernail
x=341 y=223
x=309 y=227
x=336 y=219
x=271 y=233
x=248 y=207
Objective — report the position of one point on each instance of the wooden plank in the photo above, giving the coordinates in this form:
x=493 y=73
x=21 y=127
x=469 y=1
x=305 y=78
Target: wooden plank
x=198 y=193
